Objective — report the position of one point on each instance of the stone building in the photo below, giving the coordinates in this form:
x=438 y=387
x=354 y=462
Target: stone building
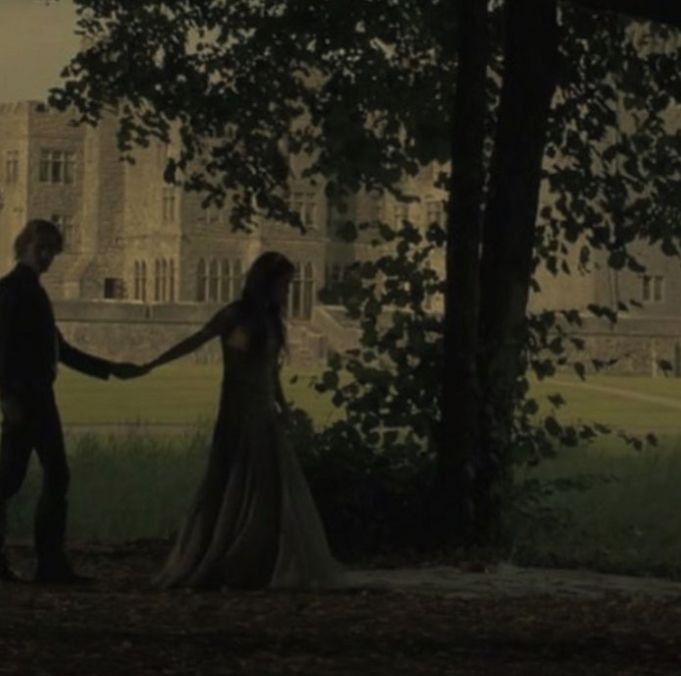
x=130 y=236
x=140 y=249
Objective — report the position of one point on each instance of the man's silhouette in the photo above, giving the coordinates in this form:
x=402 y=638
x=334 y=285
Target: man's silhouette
x=30 y=347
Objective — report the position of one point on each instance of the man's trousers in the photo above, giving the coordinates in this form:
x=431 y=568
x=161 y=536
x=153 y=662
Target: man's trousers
x=39 y=429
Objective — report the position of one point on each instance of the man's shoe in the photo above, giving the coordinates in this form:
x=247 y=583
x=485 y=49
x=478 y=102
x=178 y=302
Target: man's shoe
x=7 y=574
x=62 y=574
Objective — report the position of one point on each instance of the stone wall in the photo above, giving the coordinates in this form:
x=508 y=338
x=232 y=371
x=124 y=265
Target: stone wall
x=639 y=346
x=138 y=332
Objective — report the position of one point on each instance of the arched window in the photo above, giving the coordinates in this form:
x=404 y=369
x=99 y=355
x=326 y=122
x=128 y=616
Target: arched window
x=157 y=280
x=164 y=280
x=171 y=281
x=136 y=283
x=226 y=282
x=295 y=299
x=308 y=291
x=201 y=281
x=238 y=277
x=214 y=281
x=143 y=281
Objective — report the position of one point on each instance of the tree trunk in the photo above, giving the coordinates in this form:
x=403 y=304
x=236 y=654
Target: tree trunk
x=460 y=431
x=530 y=77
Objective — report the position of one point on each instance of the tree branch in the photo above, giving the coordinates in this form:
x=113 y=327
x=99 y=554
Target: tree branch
x=662 y=11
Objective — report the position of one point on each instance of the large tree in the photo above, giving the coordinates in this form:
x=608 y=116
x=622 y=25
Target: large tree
x=367 y=90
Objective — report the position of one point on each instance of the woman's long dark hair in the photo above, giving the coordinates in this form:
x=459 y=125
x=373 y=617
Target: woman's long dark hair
x=261 y=314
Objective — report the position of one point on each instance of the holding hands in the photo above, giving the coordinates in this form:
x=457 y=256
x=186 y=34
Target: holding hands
x=127 y=370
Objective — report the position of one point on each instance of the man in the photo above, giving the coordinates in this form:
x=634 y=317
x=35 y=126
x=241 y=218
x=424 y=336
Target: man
x=30 y=347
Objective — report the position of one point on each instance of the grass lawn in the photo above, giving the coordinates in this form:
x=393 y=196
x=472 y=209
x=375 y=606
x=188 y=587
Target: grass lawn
x=184 y=393
x=632 y=403
x=181 y=393
x=138 y=485
x=626 y=520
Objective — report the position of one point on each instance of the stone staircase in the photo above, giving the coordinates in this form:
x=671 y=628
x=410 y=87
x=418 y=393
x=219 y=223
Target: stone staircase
x=307 y=346
x=329 y=330
x=341 y=332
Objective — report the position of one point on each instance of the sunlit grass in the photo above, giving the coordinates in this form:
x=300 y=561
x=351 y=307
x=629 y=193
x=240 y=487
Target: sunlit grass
x=184 y=392
x=135 y=484
x=625 y=407
x=180 y=393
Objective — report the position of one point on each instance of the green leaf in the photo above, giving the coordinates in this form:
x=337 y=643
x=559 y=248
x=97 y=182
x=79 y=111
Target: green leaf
x=617 y=260
x=552 y=426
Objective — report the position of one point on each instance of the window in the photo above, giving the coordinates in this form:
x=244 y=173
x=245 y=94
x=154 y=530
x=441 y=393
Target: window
x=238 y=274
x=308 y=291
x=211 y=215
x=114 y=288
x=143 y=281
x=65 y=225
x=168 y=206
x=310 y=212
x=12 y=166
x=653 y=288
x=214 y=281
x=230 y=280
x=57 y=166
x=301 y=297
x=400 y=214
x=226 y=282
x=305 y=205
x=377 y=209
x=658 y=289
x=294 y=299
x=157 y=280
x=201 y=281
x=137 y=281
x=171 y=281
x=164 y=280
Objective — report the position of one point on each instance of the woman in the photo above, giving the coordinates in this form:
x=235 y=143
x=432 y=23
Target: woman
x=253 y=522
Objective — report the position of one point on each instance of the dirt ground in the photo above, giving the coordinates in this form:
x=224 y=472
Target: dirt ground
x=120 y=625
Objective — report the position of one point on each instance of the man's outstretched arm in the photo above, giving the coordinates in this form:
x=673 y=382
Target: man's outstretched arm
x=94 y=366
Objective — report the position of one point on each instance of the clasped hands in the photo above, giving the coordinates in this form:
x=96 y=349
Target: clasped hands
x=126 y=370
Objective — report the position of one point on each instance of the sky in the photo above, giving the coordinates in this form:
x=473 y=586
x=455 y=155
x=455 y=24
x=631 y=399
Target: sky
x=37 y=40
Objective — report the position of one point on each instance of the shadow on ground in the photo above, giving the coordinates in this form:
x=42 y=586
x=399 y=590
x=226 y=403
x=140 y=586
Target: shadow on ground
x=120 y=625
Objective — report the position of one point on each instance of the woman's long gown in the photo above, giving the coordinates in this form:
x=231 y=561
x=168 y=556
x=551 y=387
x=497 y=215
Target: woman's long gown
x=253 y=522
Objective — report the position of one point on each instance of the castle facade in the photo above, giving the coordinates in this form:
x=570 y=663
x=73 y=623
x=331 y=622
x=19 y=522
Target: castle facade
x=132 y=239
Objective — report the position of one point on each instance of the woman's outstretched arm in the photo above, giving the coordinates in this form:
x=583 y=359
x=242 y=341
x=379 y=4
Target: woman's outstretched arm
x=222 y=322
x=184 y=347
